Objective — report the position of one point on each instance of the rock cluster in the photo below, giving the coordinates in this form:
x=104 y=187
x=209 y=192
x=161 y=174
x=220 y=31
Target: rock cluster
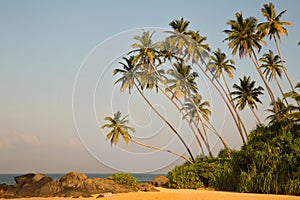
x=70 y=185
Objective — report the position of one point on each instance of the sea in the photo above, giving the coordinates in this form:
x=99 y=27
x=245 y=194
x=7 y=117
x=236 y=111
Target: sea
x=9 y=178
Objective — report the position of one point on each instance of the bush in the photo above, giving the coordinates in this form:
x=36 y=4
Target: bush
x=184 y=176
x=124 y=179
x=269 y=163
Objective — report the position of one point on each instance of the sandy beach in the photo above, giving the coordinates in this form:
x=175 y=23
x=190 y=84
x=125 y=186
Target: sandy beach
x=183 y=194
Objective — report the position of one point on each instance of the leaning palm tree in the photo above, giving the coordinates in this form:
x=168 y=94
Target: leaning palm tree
x=244 y=38
x=274 y=28
x=247 y=94
x=294 y=110
x=272 y=68
x=178 y=38
x=218 y=64
x=197 y=49
x=182 y=82
x=119 y=128
x=133 y=74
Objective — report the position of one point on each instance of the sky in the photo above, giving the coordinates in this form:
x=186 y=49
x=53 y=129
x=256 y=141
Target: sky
x=56 y=62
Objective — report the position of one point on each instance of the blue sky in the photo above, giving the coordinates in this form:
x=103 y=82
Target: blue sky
x=44 y=43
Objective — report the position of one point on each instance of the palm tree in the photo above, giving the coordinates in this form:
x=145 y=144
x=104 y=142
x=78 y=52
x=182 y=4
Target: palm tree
x=198 y=109
x=145 y=49
x=178 y=38
x=218 y=64
x=129 y=70
x=244 y=38
x=183 y=81
x=274 y=28
x=119 y=127
x=130 y=74
x=272 y=68
x=247 y=94
x=202 y=107
x=196 y=48
x=282 y=111
x=294 y=111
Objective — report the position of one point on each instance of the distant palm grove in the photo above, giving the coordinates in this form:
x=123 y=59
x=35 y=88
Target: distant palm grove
x=269 y=159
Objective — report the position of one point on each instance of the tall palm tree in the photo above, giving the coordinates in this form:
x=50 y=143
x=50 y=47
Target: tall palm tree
x=183 y=81
x=274 y=28
x=272 y=68
x=119 y=127
x=199 y=110
x=131 y=75
x=247 y=94
x=244 y=38
x=129 y=70
x=218 y=64
x=178 y=38
x=196 y=49
x=145 y=49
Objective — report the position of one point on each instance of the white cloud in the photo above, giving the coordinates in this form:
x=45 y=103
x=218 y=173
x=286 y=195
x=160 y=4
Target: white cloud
x=18 y=139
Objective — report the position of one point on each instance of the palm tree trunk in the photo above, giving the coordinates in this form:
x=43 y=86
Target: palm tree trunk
x=160 y=149
x=234 y=107
x=199 y=131
x=166 y=122
x=282 y=63
x=189 y=123
x=281 y=91
x=225 y=101
x=256 y=116
x=204 y=125
x=255 y=61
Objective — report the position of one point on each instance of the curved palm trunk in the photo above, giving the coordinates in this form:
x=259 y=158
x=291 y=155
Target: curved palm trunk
x=256 y=116
x=284 y=69
x=166 y=122
x=281 y=91
x=189 y=123
x=255 y=61
x=161 y=149
x=199 y=131
x=204 y=125
x=234 y=107
x=225 y=101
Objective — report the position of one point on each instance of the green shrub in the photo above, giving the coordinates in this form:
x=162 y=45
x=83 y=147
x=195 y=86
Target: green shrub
x=269 y=163
x=124 y=179
x=184 y=176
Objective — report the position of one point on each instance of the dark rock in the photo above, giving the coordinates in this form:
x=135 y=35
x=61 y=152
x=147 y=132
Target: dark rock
x=29 y=187
x=146 y=187
x=50 y=189
x=72 y=180
x=23 y=178
x=159 y=181
x=70 y=185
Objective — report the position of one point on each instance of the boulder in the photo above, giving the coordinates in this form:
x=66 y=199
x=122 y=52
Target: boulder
x=23 y=178
x=72 y=180
x=50 y=189
x=30 y=186
x=159 y=181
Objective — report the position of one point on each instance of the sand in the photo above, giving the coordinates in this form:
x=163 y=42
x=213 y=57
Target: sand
x=168 y=194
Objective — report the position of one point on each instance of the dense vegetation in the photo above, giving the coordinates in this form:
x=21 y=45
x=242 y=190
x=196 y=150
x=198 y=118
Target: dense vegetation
x=268 y=161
